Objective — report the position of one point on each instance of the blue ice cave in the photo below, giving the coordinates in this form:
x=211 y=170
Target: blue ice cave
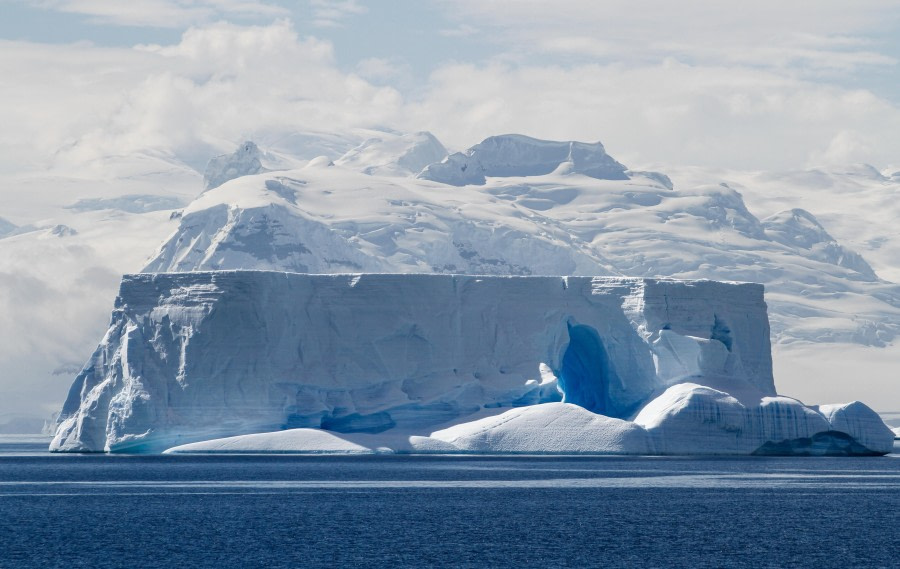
x=586 y=371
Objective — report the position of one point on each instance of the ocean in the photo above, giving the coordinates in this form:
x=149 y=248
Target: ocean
x=444 y=511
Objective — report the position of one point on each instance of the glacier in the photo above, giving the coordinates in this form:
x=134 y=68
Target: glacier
x=244 y=361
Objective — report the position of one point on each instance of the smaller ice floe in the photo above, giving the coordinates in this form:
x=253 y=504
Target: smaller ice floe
x=694 y=419
x=317 y=441
x=307 y=441
x=686 y=419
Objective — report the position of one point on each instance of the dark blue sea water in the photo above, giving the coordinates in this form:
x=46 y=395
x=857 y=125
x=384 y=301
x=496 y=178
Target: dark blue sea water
x=435 y=511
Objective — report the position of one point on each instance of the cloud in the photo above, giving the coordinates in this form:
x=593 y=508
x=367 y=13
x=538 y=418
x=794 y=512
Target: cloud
x=222 y=83
x=669 y=113
x=803 y=34
x=845 y=147
x=162 y=13
x=380 y=71
x=331 y=13
x=460 y=31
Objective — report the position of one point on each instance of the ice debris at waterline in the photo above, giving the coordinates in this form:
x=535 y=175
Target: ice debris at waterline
x=289 y=362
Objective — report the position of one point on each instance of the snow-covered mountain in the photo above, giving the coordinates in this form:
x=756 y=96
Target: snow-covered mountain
x=514 y=155
x=534 y=208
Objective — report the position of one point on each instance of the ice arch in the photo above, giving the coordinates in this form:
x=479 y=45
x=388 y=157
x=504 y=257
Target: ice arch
x=586 y=372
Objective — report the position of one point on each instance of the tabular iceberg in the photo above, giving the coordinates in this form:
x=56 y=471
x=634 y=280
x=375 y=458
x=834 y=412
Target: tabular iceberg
x=639 y=365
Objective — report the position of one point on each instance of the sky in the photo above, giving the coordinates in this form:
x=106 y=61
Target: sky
x=762 y=86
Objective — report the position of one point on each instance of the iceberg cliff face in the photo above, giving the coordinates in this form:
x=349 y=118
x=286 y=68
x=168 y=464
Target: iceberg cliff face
x=190 y=356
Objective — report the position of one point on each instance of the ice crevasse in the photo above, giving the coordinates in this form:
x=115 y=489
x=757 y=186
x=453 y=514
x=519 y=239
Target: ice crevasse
x=250 y=361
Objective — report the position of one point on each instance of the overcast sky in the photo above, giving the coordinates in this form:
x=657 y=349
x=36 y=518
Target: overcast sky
x=764 y=85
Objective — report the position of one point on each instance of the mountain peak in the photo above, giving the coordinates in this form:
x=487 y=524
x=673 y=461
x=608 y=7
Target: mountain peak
x=242 y=162
x=510 y=155
x=405 y=154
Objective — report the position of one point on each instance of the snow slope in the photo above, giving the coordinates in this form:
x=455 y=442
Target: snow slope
x=402 y=155
x=857 y=204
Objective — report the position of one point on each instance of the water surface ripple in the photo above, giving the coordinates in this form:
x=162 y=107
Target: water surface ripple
x=442 y=511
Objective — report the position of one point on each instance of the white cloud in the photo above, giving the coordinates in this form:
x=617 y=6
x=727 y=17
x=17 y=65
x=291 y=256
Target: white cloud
x=219 y=84
x=385 y=71
x=162 y=13
x=804 y=34
x=461 y=31
x=845 y=147
x=222 y=83
x=669 y=113
x=584 y=45
x=331 y=13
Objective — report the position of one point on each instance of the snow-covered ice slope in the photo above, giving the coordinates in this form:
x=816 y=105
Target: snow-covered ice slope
x=685 y=419
x=193 y=355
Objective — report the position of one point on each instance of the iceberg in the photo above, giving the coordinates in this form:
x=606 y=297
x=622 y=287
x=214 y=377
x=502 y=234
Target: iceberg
x=439 y=363
x=324 y=310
